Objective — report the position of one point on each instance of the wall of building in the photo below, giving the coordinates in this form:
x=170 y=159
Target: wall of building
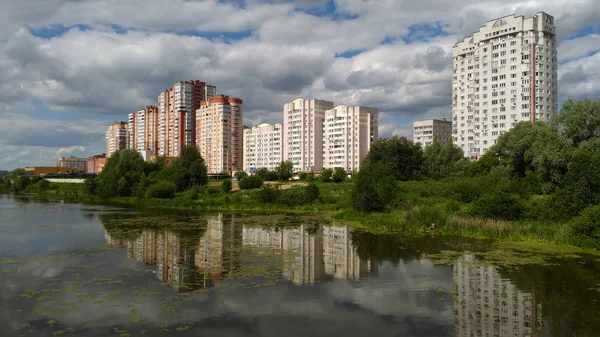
x=505 y=73
x=262 y=147
x=426 y=132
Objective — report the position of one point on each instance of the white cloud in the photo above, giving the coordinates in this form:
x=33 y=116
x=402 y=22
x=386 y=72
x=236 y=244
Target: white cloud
x=289 y=54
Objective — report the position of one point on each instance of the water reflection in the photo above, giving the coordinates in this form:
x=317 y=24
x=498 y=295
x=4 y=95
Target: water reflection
x=488 y=305
x=227 y=249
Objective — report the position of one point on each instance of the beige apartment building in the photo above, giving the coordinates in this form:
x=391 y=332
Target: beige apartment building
x=348 y=132
x=142 y=129
x=72 y=162
x=219 y=134
x=503 y=74
x=303 y=133
x=262 y=147
x=116 y=138
x=427 y=131
x=177 y=115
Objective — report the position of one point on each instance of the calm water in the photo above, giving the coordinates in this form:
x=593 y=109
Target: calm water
x=77 y=270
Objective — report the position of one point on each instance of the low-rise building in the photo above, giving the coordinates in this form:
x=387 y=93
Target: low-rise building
x=96 y=163
x=40 y=171
x=430 y=130
x=72 y=162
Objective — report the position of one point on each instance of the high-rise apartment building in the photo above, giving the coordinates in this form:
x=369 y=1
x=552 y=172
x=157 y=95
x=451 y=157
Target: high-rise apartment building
x=348 y=132
x=303 y=133
x=504 y=73
x=427 y=131
x=262 y=147
x=143 y=129
x=219 y=134
x=116 y=138
x=486 y=304
x=72 y=162
x=177 y=115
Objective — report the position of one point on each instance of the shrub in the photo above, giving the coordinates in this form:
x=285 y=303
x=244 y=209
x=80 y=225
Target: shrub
x=326 y=175
x=585 y=229
x=250 y=183
x=339 y=175
x=268 y=194
x=466 y=190
x=306 y=176
x=226 y=185
x=373 y=193
x=499 y=205
x=239 y=175
x=285 y=170
x=44 y=185
x=162 y=190
x=267 y=175
x=292 y=197
x=424 y=216
x=312 y=193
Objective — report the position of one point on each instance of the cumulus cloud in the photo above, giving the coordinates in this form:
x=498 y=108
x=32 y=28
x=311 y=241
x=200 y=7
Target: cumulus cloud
x=108 y=58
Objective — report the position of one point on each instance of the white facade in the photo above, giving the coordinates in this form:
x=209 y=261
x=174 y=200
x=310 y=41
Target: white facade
x=505 y=73
x=303 y=133
x=488 y=305
x=116 y=138
x=348 y=133
x=262 y=147
x=136 y=130
x=426 y=132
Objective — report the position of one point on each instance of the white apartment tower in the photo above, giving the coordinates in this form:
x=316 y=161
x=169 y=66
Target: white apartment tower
x=142 y=130
x=303 y=133
x=219 y=134
x=503 y=74
x=427 y=131
x=116 y=138
x=262 y=147
x=348 y=132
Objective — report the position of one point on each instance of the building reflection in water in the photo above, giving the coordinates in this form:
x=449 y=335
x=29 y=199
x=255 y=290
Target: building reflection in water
x=307 y=253
x=488 y=306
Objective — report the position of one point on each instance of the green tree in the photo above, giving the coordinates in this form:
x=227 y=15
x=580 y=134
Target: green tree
x=312 y=192
x=266 y=175
x=188 y=170
x=251 y=182
x=121 y=174
x=326 y=175
x=21 y=183
x=239 y=175
x=285 y=170
x=339 y=175
x=483 y=165
x=226 y=185
x=442 y=160
x=579 y=121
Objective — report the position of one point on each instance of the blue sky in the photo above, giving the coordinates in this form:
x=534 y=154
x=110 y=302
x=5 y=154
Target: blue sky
x=70 y=68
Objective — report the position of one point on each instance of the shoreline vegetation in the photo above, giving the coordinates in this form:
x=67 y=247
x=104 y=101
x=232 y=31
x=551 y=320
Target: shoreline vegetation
x=539 y=183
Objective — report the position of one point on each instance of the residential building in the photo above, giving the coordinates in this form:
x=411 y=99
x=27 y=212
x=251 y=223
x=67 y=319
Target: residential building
x=219 y=134
x=177 y=117
x=116 y=138
x=303 y=133
x=430 y=130
x=72 y=162
x=262 y=147
x=503 y=74
x=348 y=132
x=96 y=163
x=143 y=129
x=486 y=304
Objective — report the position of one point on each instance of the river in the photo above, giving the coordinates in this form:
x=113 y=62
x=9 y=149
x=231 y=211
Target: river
x=83 y=270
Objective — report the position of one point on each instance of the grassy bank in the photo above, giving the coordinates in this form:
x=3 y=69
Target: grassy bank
x=447 y=203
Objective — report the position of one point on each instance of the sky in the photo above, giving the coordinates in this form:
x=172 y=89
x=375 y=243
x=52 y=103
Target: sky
x=68 y=68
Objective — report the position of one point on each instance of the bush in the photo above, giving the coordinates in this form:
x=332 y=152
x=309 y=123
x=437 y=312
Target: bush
x=239 y=175
x=226 y=185
x=326 y=175
x=312 y=193
x=306 y=176
x=373 y=193
x=424 y=216
x=585 y=229
x=161 y=190
x=339 y=175
x=267 y=175
x=250 y=183
x=268 y=194
x=466 y=190
x=44 y=185
x=292 y=197
x=499 y=205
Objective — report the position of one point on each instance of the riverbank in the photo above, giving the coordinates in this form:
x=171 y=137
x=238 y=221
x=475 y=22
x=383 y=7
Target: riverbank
x=422 y=204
